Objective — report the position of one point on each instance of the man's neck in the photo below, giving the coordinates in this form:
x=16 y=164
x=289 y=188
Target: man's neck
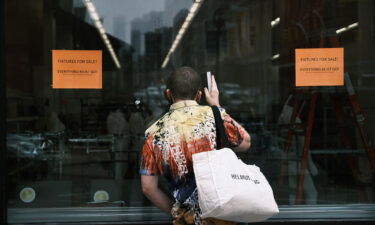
x=183 y=103
x=181 y=100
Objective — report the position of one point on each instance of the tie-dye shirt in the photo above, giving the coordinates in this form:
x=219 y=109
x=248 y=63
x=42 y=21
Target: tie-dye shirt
x=187 y=128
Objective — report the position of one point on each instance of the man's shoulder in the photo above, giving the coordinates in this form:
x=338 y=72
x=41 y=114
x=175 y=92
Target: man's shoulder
x=169 y=116
x=157 y=124
x=153 y=127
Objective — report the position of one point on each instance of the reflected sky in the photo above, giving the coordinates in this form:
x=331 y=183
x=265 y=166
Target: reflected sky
x=118 y=15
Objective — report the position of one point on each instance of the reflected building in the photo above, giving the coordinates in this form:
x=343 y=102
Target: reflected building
x=147 y=55
x=172 y=7
x=153 y=50
x=119 y=27
x=58 y=142
x=136 y=42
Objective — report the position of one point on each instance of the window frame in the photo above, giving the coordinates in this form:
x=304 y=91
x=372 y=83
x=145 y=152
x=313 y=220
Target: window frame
x=3 y=150
x=152 y=215
x=139 y=215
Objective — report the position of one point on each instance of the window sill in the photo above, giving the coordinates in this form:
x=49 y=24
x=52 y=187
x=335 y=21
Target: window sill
x=151 y=215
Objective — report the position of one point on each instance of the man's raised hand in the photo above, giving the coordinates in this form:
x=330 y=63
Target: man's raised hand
x=212 y=97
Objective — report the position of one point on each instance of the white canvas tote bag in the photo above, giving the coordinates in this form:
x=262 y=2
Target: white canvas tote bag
x=229 y=189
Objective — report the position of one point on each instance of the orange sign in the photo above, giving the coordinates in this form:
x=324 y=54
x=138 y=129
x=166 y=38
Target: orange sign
x=77 y=69
x=320 y=67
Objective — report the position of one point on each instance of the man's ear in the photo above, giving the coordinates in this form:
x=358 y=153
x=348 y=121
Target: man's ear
x=198 y=96
x=168 y=95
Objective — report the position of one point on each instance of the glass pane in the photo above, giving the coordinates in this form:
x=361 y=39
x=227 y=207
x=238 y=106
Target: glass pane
x=81 y=147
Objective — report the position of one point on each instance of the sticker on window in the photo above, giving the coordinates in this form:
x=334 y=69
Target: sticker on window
x=27 y=195
x=101 y=196
x=77 y=69
x=320 y=67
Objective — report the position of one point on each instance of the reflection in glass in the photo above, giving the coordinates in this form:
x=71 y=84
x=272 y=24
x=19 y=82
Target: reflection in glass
x=70 y=145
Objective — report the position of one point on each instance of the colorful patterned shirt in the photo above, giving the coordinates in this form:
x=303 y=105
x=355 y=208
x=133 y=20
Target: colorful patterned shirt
x=187 y=128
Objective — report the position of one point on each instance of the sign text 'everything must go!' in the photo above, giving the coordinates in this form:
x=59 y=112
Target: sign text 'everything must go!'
x=320 y=67
x=77 y=69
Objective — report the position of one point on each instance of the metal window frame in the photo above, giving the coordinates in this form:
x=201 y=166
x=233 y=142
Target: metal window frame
x=139 y=215
x=3 y=151
x=152 y=215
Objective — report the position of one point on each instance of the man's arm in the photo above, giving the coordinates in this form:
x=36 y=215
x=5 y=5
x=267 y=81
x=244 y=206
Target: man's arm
x=245 y=144
x=154 y=194
x=212 y=98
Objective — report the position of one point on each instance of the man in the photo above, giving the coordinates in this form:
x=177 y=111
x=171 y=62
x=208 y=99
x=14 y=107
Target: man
x=187 y=128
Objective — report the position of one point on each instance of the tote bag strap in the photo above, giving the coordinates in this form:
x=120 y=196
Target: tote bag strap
x=221 y=137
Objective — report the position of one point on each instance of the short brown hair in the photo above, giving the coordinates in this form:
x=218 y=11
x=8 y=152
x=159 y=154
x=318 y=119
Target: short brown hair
x=184 y=83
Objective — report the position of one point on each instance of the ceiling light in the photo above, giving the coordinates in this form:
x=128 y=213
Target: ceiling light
x=275 y=56
x=347 y=28
x=98 y=24
x=275 y=22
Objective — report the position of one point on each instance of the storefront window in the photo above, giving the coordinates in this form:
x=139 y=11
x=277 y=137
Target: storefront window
x=80 y=147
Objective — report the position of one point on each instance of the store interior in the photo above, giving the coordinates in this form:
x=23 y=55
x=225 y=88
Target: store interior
x=73 y=147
